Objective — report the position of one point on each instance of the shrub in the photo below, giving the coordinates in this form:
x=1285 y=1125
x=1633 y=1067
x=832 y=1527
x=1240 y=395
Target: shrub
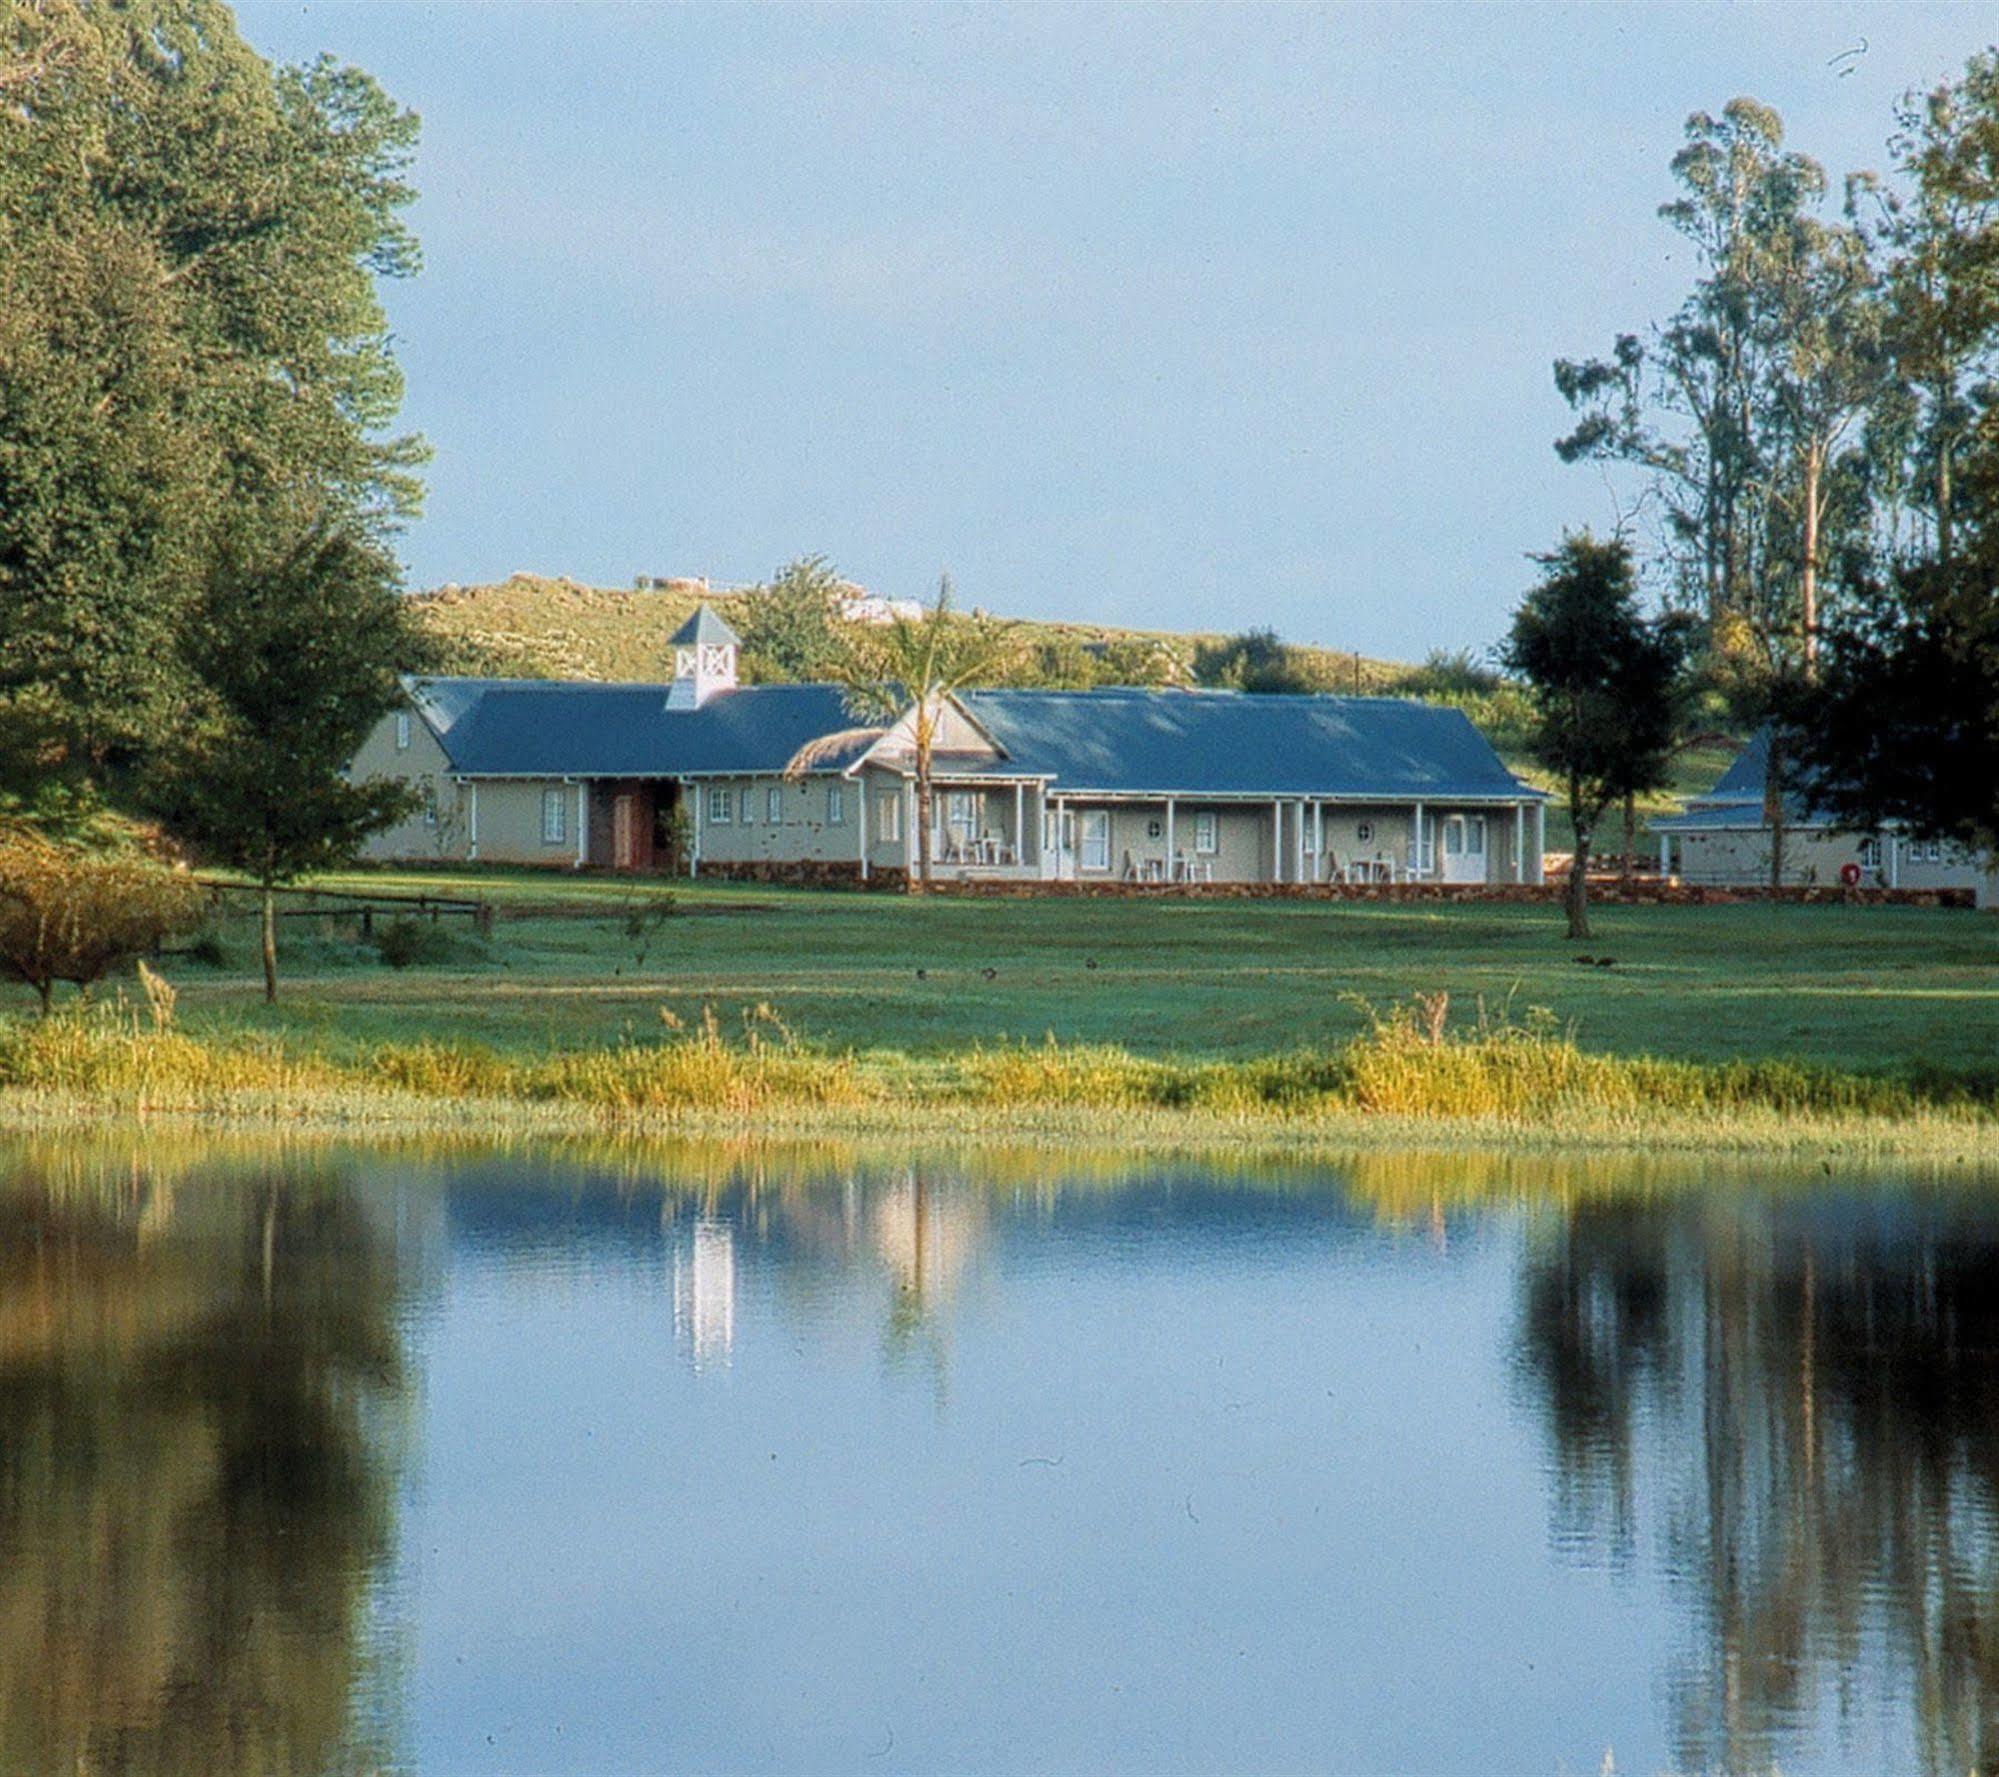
x=68 y=913
x=410 y=943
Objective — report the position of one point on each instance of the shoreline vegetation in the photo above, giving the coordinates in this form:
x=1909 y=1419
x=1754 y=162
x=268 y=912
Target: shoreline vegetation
x=1407 y=1079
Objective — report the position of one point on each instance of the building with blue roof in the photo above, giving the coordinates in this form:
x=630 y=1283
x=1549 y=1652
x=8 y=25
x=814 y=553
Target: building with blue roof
x=1724 y=838
x=702 y=773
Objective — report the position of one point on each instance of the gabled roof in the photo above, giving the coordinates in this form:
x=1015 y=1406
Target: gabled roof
x=703 y=626
x=1239 y=743
x=564 y=728
x=1735 y=802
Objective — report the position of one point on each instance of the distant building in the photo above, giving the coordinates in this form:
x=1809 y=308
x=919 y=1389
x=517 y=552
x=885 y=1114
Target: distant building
x=1723 y=840
x=869 y=607
x=1117 y=784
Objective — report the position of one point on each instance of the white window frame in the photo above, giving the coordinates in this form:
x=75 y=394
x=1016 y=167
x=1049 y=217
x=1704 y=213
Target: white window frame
x=774 y=805
x=721 y=805
x=1207 y=833
x=1870 y=854
x=555 y=816
x=747 y=805
x=888 y=825
x=836 y=805
x=1100 y=820
x=402 y=731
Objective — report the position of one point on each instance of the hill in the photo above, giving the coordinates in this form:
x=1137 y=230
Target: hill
x=531 y=627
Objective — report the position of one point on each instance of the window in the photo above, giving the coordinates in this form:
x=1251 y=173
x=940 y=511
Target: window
x=720 y=806
x=1155 y=830
x=1364 y=832
x=1870 y=854
x=961 y=810
x=430 y=806
x=1933 y=851
x=836 y=805
x=888 y=822
x=1207 y=833
x=1096 y=839
x=1309 y=823
x=554 y=816
x=402 y=731
x=748 y=805
x=774 y=805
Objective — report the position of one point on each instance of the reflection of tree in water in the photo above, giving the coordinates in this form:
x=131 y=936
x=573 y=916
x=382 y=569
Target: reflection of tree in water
x=195 y=1402
x=1802 y=1407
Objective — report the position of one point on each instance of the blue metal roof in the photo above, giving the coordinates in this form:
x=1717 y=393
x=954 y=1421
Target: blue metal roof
x=1735 y=803
x=1229 y=743
x=563 y=728
x=1125 y=741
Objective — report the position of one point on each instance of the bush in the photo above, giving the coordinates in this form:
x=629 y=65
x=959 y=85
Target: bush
x=414 y=943
x=70 y=913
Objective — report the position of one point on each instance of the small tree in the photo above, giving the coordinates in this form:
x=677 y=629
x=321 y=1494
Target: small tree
x=1605 y=682
x=296 y=655
x=73 y=913
x=790 y=629
x=913 y=668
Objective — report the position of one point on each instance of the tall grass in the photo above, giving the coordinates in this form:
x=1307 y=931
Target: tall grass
x=1409 y=1064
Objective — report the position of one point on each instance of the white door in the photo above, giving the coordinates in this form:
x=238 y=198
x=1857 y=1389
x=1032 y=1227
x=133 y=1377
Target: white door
x=1464 y=848
x=1096 y=839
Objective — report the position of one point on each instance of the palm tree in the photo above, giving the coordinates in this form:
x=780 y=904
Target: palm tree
x=914 y=666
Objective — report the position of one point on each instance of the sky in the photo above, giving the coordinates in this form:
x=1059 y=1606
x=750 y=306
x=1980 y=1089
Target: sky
x=1179 y=316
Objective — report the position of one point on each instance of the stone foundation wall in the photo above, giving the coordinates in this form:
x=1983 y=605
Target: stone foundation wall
x=1605 y=894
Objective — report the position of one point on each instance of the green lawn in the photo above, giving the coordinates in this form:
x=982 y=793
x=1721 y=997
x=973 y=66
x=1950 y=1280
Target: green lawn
x=1865 y=989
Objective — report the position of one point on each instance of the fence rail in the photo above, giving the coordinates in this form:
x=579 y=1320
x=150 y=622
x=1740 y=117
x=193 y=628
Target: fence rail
x=318 y=903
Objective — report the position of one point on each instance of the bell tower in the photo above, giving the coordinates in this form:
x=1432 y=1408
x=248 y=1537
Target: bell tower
x=704 y=661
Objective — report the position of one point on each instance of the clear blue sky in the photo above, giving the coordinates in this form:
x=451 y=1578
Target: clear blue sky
x=1206 y=316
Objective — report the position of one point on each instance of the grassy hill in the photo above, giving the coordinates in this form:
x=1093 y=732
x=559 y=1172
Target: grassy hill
x=531 y=627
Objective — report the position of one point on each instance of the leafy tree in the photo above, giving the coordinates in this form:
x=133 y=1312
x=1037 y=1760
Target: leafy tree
x=189 y=332
x=1902 y=726
x=1688 y=404
x=1605 y=682
x=295 y=652
x=791 y=629
x=1941 y=235
x=1253 y=661
x=907 y=671
x=74 y=912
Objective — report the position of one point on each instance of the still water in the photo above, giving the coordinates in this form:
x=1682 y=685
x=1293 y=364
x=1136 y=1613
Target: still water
x=695 y=1459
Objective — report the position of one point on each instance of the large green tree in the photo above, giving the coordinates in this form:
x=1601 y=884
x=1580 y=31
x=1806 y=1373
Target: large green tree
x=190 y=340
x=791 y=629
x=292 y=652
x=1605 y=681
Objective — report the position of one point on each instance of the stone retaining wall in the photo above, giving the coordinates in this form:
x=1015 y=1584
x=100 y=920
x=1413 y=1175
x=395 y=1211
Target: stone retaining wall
x=1607 y=894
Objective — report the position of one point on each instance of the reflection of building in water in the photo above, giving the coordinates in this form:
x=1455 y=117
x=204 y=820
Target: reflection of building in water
x=704 y=1292
x=926 y=1234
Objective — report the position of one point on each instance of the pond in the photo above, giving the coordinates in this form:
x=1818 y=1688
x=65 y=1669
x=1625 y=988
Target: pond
x=691 y=1459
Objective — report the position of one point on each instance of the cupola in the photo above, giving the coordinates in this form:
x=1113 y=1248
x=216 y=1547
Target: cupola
x=704 y=661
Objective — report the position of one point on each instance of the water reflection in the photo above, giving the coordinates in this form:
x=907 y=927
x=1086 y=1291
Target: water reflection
x=199 y=1386
x=1794 y=1410
x=727 y=1458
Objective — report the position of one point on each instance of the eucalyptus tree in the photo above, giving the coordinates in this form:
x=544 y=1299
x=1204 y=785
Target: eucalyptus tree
x=1939 y=230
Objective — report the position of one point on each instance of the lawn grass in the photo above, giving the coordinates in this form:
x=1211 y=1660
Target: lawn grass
x=1747 y=1026
x=1867 y=989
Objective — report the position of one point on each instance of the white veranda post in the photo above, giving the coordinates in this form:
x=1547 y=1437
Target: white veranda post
x=582 y=823
x=861 y=809
x=1169 y=839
